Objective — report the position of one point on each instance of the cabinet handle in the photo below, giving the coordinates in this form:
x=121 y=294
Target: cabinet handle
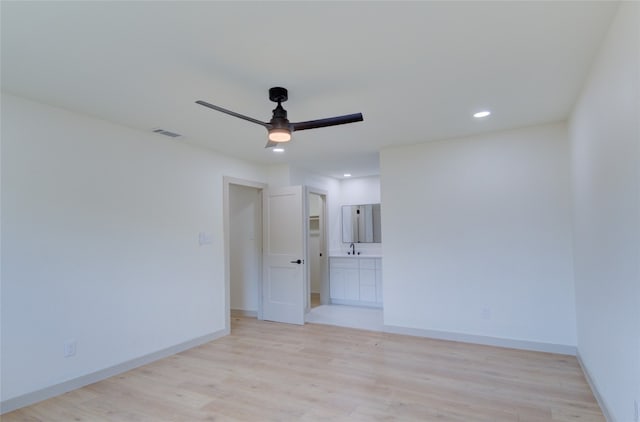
x=299 y=261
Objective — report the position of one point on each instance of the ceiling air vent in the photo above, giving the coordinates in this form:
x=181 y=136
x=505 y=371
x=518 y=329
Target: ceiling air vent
x=167 y=133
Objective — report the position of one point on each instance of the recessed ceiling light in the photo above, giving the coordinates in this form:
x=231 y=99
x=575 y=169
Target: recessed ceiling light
x=278 y=149
x=481 y=114
x=347 y=175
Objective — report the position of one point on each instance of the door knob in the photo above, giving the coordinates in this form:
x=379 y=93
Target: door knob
x=299 y=261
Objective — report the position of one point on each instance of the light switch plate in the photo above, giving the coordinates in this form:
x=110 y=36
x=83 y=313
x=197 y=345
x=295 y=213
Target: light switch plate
x=205 y=238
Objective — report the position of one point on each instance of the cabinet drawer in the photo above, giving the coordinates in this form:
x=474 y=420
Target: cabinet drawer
x=344 y=263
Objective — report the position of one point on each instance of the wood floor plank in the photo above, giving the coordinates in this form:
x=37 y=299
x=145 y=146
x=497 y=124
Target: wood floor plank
x=266 y=371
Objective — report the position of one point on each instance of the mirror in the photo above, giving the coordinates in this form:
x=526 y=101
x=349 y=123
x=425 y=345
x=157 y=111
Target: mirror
x=361 y=224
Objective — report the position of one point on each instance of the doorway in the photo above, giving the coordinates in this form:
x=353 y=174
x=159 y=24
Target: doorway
x=243 y=247
x=317 y=249
x=247 y=256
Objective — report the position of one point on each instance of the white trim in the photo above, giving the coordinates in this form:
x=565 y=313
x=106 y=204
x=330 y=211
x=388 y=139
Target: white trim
x=535 y=346
x=243 y=313
x=594 y=390
x=73 y=384
x=358 y=303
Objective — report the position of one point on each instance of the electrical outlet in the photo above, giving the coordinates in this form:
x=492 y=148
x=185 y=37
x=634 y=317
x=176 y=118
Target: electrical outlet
x=486 y=313
x=69 y=348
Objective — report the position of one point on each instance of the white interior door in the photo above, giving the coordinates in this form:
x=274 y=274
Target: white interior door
x=284 y=268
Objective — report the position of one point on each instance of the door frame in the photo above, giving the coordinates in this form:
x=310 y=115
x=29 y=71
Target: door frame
x=324 y=283
x=226 y=181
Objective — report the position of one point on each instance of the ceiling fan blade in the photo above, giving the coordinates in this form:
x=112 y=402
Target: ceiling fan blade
x=331 y=121
x=232 y=113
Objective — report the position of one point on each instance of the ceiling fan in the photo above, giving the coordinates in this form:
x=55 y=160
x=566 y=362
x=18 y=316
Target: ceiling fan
x=279 y=127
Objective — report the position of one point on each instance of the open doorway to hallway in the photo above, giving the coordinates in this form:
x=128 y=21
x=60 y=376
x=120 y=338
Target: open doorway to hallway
x=245 y=249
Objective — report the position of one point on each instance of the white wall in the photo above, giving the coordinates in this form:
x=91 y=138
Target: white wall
x=360 y=190
x=278 y=176
x=605 y=146
x=245 y=246
x=100 y=228
x=477 y=236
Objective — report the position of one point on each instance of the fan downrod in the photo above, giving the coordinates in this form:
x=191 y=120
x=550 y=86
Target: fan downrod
x=278 y=94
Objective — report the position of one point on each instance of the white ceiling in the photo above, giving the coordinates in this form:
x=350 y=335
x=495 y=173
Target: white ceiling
x=415 y=70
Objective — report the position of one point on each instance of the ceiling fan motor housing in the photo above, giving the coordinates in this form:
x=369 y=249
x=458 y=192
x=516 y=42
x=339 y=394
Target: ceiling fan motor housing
x=279 y=119
x=278 y=94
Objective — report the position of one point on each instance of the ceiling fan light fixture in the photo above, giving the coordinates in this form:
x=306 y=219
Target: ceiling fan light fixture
x=279 y=135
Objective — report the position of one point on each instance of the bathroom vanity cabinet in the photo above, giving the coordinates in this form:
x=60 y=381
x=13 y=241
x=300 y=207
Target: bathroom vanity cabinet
x=355 y=280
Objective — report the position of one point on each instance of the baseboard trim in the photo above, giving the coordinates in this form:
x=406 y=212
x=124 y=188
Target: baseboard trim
x=243 y=313
x=561 y=349
x=73 y=384
x=355 y=303
x=594 y=390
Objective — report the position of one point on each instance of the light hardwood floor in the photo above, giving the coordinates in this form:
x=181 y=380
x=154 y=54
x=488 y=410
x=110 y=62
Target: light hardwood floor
x=267 y=371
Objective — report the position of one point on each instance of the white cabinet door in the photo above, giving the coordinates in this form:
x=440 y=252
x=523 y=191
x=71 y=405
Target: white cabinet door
x=367 y=285
x=344 y=282
x=352 y=284
x=379 y=281
x=336 y=283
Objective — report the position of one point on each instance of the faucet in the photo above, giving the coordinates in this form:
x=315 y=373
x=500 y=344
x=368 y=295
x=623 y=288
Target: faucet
x=353 y=249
